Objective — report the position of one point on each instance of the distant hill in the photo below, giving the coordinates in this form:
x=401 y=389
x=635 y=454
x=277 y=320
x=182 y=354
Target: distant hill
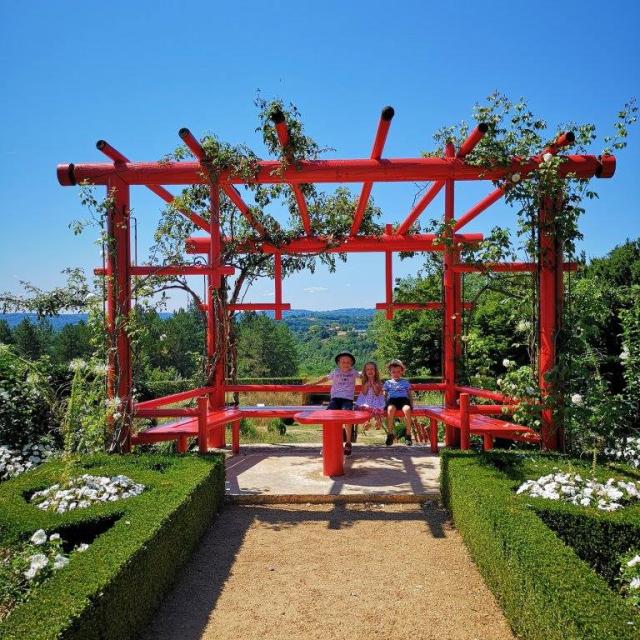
x=298 y=320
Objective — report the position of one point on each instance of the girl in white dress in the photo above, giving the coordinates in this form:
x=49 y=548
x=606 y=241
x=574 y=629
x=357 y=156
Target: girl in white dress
x=372 y=394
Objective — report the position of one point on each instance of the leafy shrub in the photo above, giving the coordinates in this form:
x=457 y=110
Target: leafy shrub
x=112 y=589
x=85 y=421
x=546 y=591
x=28 y=406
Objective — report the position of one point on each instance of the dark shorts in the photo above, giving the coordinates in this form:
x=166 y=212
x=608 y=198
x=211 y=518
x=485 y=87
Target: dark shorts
x=341 y=403
x=398 y=403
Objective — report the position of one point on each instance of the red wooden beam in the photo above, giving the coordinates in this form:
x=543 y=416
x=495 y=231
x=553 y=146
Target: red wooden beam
x=172 y=399
x=376 y=153
x=323 y=171
x=420 y=206
x=359 y=244
x=388 y=272
x=196 y=148
x=116 y=156
x=282 y=131
x=312 y=388
x=235 y=197
x=478 y=208
x=511 y=267
x=472 y=140
x=561 y=141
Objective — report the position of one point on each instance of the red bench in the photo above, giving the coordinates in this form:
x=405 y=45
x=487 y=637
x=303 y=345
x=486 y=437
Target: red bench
x=471 y=423
x=201 y=423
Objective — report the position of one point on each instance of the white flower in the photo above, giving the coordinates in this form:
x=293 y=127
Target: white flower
x=634 y=561
x=163 y=337
x=60 y=561
x=515 y=177
x=576 y=399
x=54 y=537
x=506 y=363
x=39 y=561
x=547 y=156
x=39 y=537
x=625 y=354
x=82 y=548
x=635 y=583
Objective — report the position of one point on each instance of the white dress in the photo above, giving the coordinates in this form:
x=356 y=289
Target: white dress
x=370 y=400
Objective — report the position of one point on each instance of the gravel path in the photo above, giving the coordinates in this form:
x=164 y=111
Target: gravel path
x=333 y=572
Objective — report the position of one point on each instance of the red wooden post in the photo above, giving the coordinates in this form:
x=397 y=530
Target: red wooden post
x=433 y=434
x=215 y=351
x=549 y=305
x=388 y=279
x=465 y=435
x=203 y=445
x=488 y=442
x=449 y=369
x=183 y=444
x=332 y=456
x=118 y=261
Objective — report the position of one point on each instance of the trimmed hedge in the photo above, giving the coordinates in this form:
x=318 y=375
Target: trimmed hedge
x=546 y=591
x=112 y=589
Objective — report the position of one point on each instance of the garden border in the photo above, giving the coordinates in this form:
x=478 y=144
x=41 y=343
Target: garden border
x=545 y=590
x=113 y=589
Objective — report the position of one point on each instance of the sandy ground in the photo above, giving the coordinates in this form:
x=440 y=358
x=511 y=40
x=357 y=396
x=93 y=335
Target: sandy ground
x=369 y=571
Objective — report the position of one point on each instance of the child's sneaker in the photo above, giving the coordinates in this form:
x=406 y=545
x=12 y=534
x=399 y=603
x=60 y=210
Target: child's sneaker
x=389 y=440
x=347 y=449
x=408 y=441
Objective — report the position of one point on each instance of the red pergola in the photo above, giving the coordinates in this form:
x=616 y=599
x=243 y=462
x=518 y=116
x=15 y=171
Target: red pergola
x=120 y=174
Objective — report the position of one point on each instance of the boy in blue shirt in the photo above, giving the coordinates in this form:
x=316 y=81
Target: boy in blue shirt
x=397 y=391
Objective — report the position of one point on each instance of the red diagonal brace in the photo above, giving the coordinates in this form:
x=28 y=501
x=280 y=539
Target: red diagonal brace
x=116 y=156
x=472 y=140
x=420 y=206
x=282 y=131
x=197 y=150
x=563 y=140
x=376 y=152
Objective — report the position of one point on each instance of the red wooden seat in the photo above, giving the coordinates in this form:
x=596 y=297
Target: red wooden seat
x=180 y=430
x=483 y=425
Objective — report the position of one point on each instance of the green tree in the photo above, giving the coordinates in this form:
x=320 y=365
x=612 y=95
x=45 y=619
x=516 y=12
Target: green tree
x=72 y=341
x=31 y=339
x=5 y=333
x=266 y=348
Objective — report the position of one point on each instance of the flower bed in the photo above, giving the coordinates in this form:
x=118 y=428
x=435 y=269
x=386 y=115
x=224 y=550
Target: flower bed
x=13 y=462
x=573 y=488
x=548 y=590
x=135 y=545
x=82 y=492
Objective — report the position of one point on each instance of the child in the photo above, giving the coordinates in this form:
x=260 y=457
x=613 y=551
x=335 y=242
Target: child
x=372 y=394
x=398 y=393
x=343 y=388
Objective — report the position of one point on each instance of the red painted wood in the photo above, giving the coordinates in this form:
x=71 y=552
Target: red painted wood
x=472 y=140
x=376 y=152
x=513 y=267
x=433 y=434
x=172 y=398
x=324 y=171
x=464 y=422
x=332 y=421
x=360 y=244
x=484 y=393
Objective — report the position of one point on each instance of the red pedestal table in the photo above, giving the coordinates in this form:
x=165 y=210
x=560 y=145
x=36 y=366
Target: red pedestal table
x=332 y=421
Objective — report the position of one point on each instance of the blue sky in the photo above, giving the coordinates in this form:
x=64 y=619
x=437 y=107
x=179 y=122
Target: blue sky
x=133 y=73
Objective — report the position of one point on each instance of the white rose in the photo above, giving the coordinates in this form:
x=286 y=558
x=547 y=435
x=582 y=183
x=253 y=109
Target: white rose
x=576 y=399
x=39 y=537
x=60 y=561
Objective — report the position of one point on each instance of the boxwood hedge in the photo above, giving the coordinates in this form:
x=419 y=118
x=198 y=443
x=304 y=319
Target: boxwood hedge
x=137 y=545
x=528 y=549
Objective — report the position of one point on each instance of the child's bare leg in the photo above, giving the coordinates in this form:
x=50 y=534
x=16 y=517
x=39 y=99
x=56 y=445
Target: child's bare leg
x=391 y=414
x=349 y=429
x=407 y=419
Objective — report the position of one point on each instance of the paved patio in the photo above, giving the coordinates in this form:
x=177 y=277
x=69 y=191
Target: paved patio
x=293 y=473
